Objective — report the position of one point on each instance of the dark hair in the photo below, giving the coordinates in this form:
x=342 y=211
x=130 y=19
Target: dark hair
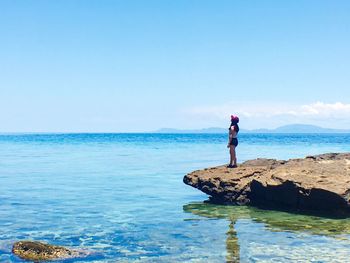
x=234 y=123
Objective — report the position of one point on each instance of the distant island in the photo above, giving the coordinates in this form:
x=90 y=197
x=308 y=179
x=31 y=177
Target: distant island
x=292 y=128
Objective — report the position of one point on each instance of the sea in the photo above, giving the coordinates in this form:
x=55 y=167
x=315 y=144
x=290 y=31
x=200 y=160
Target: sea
x=121 y=198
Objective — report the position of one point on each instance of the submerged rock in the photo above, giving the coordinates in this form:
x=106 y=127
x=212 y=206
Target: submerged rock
x=38 y=251
x=273 y=220
x=315 y=183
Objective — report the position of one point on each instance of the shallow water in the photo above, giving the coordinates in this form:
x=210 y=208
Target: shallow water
x=121 y=197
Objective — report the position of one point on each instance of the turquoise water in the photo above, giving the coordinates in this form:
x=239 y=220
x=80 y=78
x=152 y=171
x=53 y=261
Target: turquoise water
x=121 y=197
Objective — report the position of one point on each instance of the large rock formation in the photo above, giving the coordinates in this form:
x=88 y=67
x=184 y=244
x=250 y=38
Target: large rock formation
x=38 y=251
x=316 y=183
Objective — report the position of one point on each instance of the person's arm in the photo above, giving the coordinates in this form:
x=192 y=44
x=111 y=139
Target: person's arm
x=234 y=128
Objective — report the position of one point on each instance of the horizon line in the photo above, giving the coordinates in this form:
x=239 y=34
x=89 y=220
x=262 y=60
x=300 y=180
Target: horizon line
x=185 y=130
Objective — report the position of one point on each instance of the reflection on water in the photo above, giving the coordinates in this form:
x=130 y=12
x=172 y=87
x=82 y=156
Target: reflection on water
x=232 y=245
x=274 y=221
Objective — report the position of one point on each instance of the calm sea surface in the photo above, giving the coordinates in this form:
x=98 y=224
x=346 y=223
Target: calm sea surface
x=121 y=197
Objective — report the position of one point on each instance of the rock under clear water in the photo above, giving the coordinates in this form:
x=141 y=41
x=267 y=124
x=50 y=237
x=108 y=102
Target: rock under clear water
x=39 y=251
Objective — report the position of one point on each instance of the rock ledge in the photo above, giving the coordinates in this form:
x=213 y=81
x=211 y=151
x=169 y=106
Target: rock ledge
x=315 y=183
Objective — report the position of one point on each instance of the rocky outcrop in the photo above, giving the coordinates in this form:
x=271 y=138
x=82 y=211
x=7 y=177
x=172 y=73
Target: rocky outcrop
x=38 y=251
x=315 y=183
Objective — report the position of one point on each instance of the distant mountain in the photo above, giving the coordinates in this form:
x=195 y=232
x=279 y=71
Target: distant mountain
x=292 y=128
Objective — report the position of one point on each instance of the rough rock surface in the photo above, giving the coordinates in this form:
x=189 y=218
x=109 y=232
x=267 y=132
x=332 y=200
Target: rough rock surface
x=38 y=251
x=315 y=183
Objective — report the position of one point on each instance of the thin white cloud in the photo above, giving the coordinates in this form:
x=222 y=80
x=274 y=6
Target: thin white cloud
x=328 y=114
x=317 y=108
x=326 y=109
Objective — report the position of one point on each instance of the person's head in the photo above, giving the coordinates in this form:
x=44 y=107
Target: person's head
x=234 y=120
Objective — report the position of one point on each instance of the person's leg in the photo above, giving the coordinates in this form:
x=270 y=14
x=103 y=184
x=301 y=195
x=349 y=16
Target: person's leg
x=232 y=154
x=234 y=158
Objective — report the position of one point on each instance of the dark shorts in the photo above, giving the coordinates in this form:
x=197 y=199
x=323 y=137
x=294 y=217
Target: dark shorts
x=234 y=142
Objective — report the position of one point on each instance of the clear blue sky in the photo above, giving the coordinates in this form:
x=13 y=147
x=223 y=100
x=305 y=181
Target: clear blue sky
x=119 y=66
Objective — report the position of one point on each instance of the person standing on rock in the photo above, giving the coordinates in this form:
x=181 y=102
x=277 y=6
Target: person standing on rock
x=233 y=141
